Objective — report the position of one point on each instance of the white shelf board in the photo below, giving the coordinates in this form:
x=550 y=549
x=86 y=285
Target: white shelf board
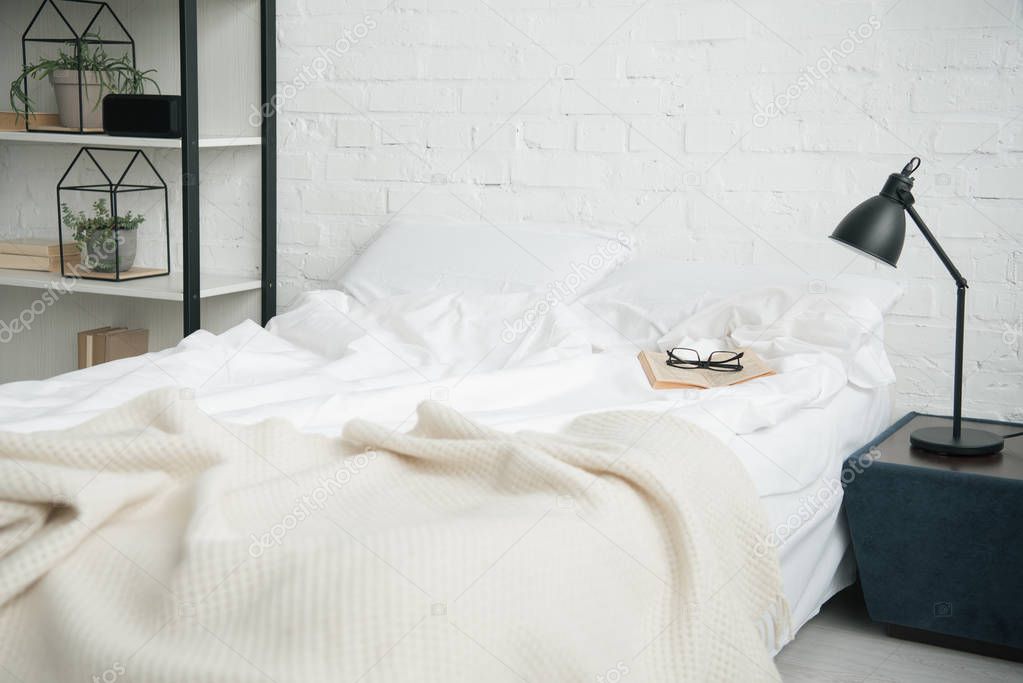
x=164 y=288
x=100 y=140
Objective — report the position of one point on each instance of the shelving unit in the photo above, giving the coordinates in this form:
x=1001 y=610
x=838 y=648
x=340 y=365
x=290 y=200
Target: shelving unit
x=223 y=57
x=117 y=141
x=215 y=38
x=170 y=288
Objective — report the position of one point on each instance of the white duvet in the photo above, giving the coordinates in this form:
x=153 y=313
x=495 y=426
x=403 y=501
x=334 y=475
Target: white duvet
x=331 y=356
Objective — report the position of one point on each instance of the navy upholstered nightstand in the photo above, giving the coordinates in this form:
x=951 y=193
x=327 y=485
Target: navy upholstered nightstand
x=939 y=540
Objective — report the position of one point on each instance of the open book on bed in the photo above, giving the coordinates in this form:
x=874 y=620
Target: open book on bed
x=663 y=376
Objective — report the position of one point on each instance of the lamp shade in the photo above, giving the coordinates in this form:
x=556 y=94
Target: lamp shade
x=877 y=227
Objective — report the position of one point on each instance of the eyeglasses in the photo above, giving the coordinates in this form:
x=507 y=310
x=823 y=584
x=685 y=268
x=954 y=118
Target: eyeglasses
x=719 y=361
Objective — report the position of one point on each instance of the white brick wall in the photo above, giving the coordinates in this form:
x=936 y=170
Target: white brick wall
x=643 y=116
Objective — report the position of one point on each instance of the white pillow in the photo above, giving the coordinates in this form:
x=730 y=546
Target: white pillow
x=645 y=298
x=414 y=255
x=650 y=280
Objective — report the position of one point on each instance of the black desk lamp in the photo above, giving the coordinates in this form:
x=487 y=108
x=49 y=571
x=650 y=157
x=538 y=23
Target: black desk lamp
x=877 y=228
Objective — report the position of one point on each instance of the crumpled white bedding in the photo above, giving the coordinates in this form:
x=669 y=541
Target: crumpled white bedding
x=330 y=359
x=331 y=356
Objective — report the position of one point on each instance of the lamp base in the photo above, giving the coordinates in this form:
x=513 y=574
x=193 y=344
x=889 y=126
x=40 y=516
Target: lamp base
x=970 y=441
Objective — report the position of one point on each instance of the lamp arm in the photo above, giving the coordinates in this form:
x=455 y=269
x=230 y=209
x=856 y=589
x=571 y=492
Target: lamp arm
x=961 y=285
x=931 y=240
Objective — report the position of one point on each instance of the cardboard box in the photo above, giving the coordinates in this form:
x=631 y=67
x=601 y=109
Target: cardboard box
x=126 y=344
x=89 y=342
x=105 y=344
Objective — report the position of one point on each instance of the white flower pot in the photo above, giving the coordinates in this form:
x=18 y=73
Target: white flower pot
x=65 y=85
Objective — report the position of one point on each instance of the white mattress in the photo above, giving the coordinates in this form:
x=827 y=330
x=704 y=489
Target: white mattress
x=816 y=561
x=331 y=360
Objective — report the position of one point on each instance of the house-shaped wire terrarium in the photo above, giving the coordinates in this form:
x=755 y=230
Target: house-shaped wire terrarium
x=74 y=52
x=113 y=206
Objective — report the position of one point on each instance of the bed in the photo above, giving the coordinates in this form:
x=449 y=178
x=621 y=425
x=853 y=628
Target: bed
x=529 y=329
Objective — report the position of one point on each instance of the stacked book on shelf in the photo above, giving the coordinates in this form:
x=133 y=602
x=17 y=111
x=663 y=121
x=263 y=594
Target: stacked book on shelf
x=37 y=254
x=105 y=344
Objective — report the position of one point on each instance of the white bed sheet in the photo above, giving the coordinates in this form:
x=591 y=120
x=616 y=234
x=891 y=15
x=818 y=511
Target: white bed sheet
x=331 y=359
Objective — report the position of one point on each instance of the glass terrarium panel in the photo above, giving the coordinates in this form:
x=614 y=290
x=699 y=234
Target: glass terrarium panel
x=113 y=209
x=151 y=235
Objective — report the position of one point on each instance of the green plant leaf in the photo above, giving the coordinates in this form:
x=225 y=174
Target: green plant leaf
x=116 y=74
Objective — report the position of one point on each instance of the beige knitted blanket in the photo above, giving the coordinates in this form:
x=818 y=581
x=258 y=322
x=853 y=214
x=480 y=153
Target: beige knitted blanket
x=157 y=544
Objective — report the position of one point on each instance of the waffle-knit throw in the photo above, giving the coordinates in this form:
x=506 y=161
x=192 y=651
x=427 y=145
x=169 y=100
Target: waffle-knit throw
x=154 y=543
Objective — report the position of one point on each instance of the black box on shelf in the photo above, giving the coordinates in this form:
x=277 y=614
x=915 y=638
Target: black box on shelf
x=151 y=116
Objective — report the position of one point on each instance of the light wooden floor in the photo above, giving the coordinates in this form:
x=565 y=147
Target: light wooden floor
x=841 y=645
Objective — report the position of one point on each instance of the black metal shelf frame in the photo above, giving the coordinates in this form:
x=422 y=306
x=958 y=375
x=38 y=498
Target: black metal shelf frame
x=189 y=47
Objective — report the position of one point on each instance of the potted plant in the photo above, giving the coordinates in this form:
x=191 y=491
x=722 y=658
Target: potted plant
x=107 y=243
x=100 y=74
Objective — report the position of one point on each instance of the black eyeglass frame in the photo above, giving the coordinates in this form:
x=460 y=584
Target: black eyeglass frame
x=731 y=364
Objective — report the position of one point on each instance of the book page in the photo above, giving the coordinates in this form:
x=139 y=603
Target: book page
x=752 y=367
x=680 y=377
